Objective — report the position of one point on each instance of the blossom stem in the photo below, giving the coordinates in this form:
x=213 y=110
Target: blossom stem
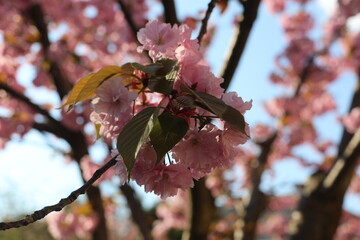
x=205 y=20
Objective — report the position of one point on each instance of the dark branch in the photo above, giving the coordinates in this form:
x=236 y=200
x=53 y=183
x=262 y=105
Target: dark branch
x=137 y=212
x=26 y=100
x=37 y=215
x=346 y=155
x=205 y=20
x=325 y=191
x=128 y=17
x=257 y=201
x=346 y=136
x=36 y=14
x=243 y=32
x=170 y=11
x=53 y=126
x=131 y=23
x=202 y=209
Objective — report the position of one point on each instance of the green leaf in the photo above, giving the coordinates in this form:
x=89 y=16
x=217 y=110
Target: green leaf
x=219 y=108
x=167 y=132
x=206 y=101
x=164 y=79
x=169 y=68
x=162 y=74
x=160 y=85
x=185 y=101
x=150 y=69
x=234 y=118
x=134 y=134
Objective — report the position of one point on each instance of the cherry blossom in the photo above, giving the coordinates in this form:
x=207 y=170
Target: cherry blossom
x=112 y=107
x=158 y=38
x=200 y=151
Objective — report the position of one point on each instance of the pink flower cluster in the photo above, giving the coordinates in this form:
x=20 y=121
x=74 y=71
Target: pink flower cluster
x=202 y=149
x=164 y=41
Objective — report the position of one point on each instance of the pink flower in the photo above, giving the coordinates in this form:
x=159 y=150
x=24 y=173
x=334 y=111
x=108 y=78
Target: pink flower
x=200 y=78
x=161 y=179
x=165 y=181
x=297 y=26
x=65 y=224
x=351 y=121
x=145 y=162
x=89 y=168
x=276 y=106
x=275 y=6
x=301 y=132
x=233 y=137
x=120 y=168
x=298 y=51
x=112 y=107
x=200 y=151
x=113 y=99
x=158 y=38
x=287 y=202
x=232 y=99
x=261 y=133
x=349 y=7
x=172 y=213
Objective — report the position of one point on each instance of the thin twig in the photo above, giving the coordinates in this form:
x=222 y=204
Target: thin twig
x=205 y=20
x=37 y=215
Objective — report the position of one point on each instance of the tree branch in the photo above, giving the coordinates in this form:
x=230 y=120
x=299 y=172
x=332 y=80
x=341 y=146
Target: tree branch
x=205 y=20
x=325 y=191
x=203 y=211
x=26 y=100
x=242 y=34
x=37 y=215
x=170 y=11
x=52 y=126
x=128 y=17
x=79 y=149
x=36 y=14
x=256 y=203
x=346 y=136
x=137 y=213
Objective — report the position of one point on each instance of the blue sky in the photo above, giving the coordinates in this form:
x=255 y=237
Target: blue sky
x=27 y=164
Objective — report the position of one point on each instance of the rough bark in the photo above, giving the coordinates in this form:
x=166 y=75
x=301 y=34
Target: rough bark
x=203 y=211
x=137 y=213
x=320 y=206
x=253 y=207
